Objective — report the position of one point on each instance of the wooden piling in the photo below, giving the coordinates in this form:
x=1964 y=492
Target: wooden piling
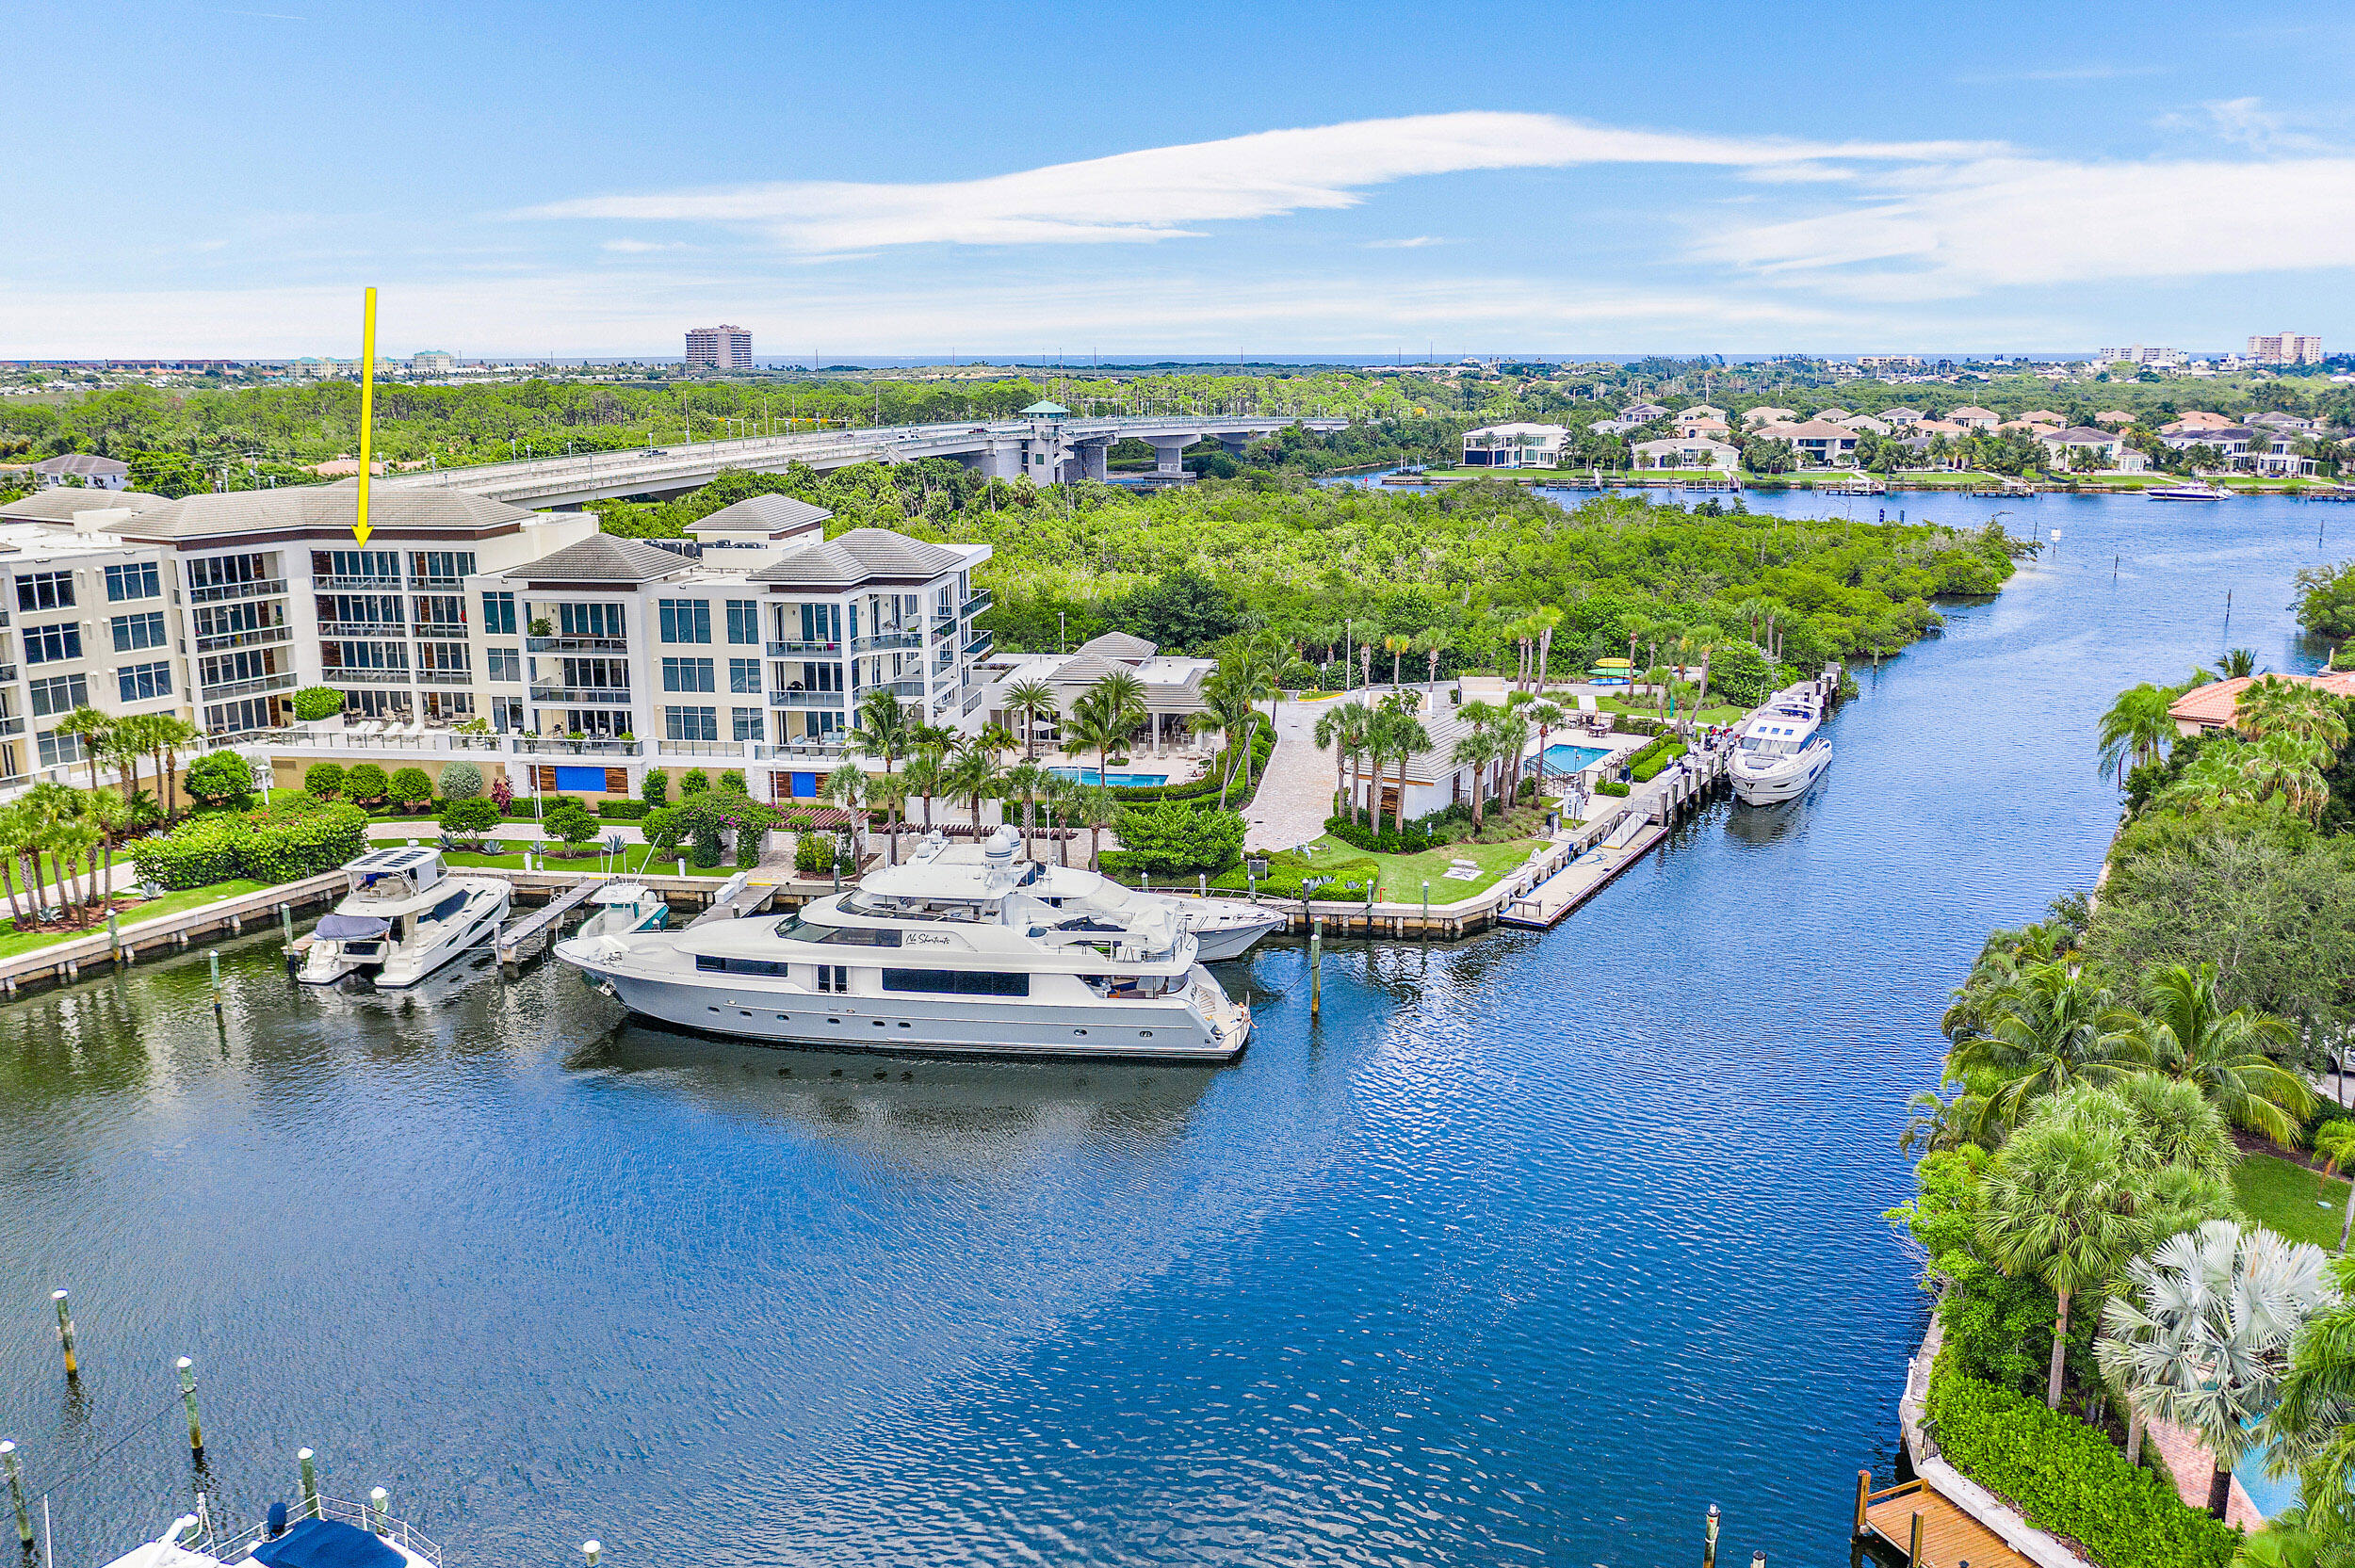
x=16 y=1496
x=590 y=1550
x=65 y=1336
x=310 y=1484
x=1863 y=1496
x=1316 y=969
x=188 y=1398
x=1913 y=1543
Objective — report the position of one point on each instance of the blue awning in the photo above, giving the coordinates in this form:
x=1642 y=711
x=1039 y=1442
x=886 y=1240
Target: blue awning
x=350 y=927
x=327 y=1544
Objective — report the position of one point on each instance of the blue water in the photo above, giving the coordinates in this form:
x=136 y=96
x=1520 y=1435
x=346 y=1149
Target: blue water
x=1563 y=757
x=1527 y=1251
x=1118 y=781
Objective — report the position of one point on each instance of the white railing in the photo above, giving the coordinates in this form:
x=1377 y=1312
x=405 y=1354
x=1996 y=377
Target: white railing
x=399 y=1532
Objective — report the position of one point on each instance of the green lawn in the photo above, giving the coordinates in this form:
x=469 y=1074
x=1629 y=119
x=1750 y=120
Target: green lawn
x=2283 y=1195
x=661 y=868
x=13 y=942
x=1402 y=876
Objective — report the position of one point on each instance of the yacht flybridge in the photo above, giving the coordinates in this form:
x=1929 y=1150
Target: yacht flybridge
x=1777 y=754
x=976 y=954
x=403 y=918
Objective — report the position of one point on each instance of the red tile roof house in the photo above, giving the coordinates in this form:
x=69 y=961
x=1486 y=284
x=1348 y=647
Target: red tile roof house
x=2208 y=709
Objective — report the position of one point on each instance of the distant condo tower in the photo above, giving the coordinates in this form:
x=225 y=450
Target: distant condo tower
x=721 y=347
x=2285 y=348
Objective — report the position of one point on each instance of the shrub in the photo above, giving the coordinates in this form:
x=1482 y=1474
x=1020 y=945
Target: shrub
x=460 y=780
x=315 y=702
x=1382 y=840
x=201 y=849
x=732 y=782
x=624 y=811
x=220 y=779
x=471 y=818
x=569 y=821
x=1610 y=786
x=660 y=826
x=693 y=782
x=410 y=787
x=323 y=781
x=748 y=845
x=2070 y=1479
x=1207 y=786
x=656 y=789
x=502 y=793
x=815 y=854
x=1655 y=757
x=365 y=784
x=705 y=850
x=1177 y=838
x=1288 y=869
x=281 y=845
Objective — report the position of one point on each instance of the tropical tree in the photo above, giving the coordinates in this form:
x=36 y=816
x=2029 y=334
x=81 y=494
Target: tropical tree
x=167 y=736
x=2272 y=706
x=2238 y=662
x=2202 y=1336
x=924 y=774
x=1342 y=730
x=93 y=727
x=1228 y=711
x=2136 y=728
x=2335 y=1141
x=1402 y=734
x=1398 y=645
x=846 y=788
x=13 y=830
x=2054 y=1205
x=1545 y=718
x=2310 y=1429
x=1432 y=643
x=2188 y=1035
x=1476 y=749
x=890 y=792
x=972 y=772
x=1062 y=810
x=1029 y=781
x=1032 y=701
x=883 y=728
x=1095 y=725
x=2046 y=1032
x=110 y=813
x=1096 y=809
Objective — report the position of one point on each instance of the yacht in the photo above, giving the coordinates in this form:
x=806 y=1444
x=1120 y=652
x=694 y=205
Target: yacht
x=316 y=1532
x=625 y=909
x=403 y=918
x=942 y=955
x=2185 y=493
x=1225 y=927
x=1779 y=754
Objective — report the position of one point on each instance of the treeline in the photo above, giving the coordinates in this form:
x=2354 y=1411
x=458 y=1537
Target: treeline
x=1327 y=567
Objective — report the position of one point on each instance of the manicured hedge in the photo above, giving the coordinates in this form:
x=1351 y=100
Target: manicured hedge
x=1652 y=758
x=282 y=845
x=618 y=810
x=1610 y=786
x=1194 y=789
x=2067 y=1477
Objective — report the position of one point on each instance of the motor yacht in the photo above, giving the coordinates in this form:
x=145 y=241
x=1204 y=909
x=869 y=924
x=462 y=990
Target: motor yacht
x=403 y=918
x=1778 y=753
x=948 y=955
x=1225 y=927
x=2185 y=493
x=625 y=909
x=316 y=1532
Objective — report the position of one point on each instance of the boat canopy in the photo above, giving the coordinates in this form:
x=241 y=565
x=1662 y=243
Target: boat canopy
x=328 y=1544
x=350 y=927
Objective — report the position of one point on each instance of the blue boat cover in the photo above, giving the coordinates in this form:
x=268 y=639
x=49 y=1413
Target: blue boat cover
x=327 y=1544
x=349 y=928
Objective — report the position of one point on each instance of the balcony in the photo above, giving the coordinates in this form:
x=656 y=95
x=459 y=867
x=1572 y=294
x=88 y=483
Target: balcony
x=583 y=696
x=980 y=646
x=259 y=637
x=374 y=584
x=446 y=677
x=577 y=644
x=532 y=747
x=909 y=639
x=12 y=724
x=912 y=686
x=973 y=697
x=800 y=650
x=7 y=672
x=455 y=630
x=284 y=681
x=701 y=749
x=941 y=699
x=356 y=675
x=789 y=751
x=365 y=631
x=798 y=698
x=261 y=587
x=974 y=605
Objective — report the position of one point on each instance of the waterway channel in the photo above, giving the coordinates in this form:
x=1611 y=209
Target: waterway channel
x=1536 y=1246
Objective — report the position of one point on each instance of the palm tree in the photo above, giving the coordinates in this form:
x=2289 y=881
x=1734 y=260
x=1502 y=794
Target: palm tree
x=923 y=775
x=1511 y=743
x=1032 y=701
x=124 y=746
x=1342 y=730
x=1475 y=750
x=1432 y=643
x=2202 y=1337
x=1256 y=666
x=1096 y=809
x=972 y=772
x=2238 y=662
x=1547 y=717
x=49 y=807
x=110 y=813
x=1063 y=810
x=891 y=793
x=1548 y=620
x=1029 y=780
x=1227 y=709
x=1398 y=645
x=2043 y=1033
x=1093 y=727
x=93 y=727
x=883 y=729
x=2054 y=1205
x=2135 y=728
x=2335 y=1141
x=2189 y=1036
x=2273 y=706
x=846 y=787
x=1407 y=738
x=166 y=735
x=12 y=830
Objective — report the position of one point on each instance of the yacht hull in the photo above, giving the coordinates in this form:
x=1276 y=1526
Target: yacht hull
x=777 y=1014
x=1220 y=944
x=394 y=966
x=1773 y=787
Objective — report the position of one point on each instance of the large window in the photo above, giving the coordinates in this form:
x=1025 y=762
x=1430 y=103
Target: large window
x=227 y=571
x=819 y=622
x=354 y=654
x=136 y=581
x=687 y=674
x=56 y=694
x=361 y=609
x=956 y=982
x=589 y=620
x=441 y=609
x=441 y=566
x=384 y=564
x=498 y=614
x=506 y=664
x=743 y=620
x=691 y=723
x=743 y=675
x=134 y=632
x=751 y=725
x=251 y=665
x=58 y=749
x=685 y=619
x=143 y=681
x=48 y=644
x=451 y=658
x=41 y=591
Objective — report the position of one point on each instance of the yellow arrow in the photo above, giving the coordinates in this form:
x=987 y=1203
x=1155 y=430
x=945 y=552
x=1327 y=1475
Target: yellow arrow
x=360 y=529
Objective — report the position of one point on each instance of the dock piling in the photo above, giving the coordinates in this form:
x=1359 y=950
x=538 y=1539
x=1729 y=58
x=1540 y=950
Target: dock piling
x=215 y=960
x=375 y=1512
x=188 y=1398
x=590 y=1550
x=310 y=1484
x=1913 y=1543
x=1863 y=1496
x=16 y=1496
x=1709 y=1539
x=1316 y=968
x=286 y=922
x=65 y=1336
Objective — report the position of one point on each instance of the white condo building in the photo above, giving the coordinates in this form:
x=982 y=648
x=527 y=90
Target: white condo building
x=592 y=658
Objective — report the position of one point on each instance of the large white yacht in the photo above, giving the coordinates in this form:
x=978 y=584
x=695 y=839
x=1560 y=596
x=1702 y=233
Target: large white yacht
x=403 y=918
x=950 y=956
x=1779 y=754
x=1225 y=927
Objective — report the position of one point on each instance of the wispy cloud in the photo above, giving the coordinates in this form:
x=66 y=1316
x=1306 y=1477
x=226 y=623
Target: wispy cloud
x=640 y=247
x=2247 y=123
x=1414 y=242
x=1157 y=193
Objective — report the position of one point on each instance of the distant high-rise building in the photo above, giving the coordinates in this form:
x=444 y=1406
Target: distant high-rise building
x=432 y=362
x=721 y=347
x=2155 y=359
x=2285 y=348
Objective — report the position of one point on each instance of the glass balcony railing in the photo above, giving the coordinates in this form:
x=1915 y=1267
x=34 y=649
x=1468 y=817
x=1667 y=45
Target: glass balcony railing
x=796 y=650
x=256 y=636
x=974 y=605
x=446 y=677
x=355 y=676
x=262 y=587
x=378 y=584
x=583 y=696
x=911 y=638
x=980 y=644
x=798 y=698
x=577 y=644
x=284 y=681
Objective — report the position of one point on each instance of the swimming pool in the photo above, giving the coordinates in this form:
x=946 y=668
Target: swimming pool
x=1562 y=757
x=1118 y=781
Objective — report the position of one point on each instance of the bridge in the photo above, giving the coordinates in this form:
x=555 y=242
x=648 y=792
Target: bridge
x=1047 y=451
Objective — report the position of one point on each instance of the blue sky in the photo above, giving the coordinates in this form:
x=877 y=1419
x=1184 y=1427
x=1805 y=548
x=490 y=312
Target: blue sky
x=593 y=177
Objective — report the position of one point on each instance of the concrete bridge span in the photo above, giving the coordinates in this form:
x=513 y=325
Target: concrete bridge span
x=1047 y=451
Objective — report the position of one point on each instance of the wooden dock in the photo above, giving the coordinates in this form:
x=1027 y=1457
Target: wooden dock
x=1927 y=1530
x=1623 y=840
x=737 y=897
x=530 y=933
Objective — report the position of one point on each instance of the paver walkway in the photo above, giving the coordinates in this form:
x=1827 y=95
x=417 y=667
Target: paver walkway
x=1296 y=793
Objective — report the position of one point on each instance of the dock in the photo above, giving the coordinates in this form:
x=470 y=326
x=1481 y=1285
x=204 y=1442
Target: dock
x=737 y=897
x=530 y=934
x=1926 y=1528
x=1625 y=838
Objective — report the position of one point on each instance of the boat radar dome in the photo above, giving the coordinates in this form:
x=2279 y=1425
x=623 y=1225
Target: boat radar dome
x=1000 y=849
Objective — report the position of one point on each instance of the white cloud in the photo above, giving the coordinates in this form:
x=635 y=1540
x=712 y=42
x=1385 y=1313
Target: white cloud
x=639 y=247
x=1154 y=194
x=2246 y=123
x=1416 y=242
x=1931 y=232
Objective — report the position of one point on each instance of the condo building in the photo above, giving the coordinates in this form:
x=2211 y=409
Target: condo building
x=720 y=347
x=469 y=629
